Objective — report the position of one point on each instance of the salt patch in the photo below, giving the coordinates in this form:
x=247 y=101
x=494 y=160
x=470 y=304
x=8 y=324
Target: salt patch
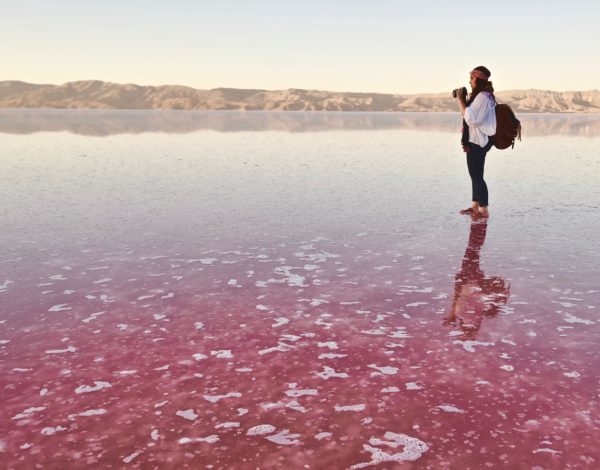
x=208 y=261
x=321 y=322
x=413 y=386
x=97 y=386
x=284 y=438
x=572 y=375
x=227 y=425
x=92 y=316
x=209 y=439
x=242 y=411
x=359 y=407
x=329 y=373
x=28 y=412
x=292 y=338
x=200 y=356
x=328 y=344
x=280 y=321
x=59 y=308
x=158 y=316
x=376 y=332
x=4 y=286
x=292 y=405
x=300 y=393
x=413 y=449
x=331 y=356
x=507 y=368
x=390 y=390
x=58 y=277
x=469 y=345
x=573 y=319
x=260 y=430
x=387 y=370
x=282 y=347
x=99 y=411
x=216 y=398
x=222 y=354
x=70 y=349
x=154 y=435
x=323 y=435
x=187 y=414
x=51 y=431
x=546 y=450
x=450 y=409
x=198 y=325
x=293 y=280
x=400 y=333
x=417 y=304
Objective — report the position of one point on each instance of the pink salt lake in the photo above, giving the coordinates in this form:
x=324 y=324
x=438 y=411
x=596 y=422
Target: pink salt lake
x=269 y=290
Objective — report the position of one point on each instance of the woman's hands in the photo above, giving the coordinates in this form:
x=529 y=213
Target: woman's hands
x=461 y=98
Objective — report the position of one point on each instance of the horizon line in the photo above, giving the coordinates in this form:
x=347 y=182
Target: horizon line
x=285 y=89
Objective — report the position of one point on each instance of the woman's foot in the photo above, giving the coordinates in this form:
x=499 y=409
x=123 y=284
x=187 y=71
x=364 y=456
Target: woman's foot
x=483 y=212
x=470 y=211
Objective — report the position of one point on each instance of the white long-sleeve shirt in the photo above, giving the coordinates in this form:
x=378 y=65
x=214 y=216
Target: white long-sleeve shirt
x=480 y=116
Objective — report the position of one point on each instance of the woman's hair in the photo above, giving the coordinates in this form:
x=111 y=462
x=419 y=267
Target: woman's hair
x=481 y=85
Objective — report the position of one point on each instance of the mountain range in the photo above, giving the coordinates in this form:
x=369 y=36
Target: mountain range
x=95 y=94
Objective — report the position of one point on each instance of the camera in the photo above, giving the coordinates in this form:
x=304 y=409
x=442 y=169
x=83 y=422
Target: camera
x=458 y=91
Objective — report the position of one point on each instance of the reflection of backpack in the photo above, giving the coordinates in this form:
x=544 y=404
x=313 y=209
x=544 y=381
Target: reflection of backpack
x=508 y=127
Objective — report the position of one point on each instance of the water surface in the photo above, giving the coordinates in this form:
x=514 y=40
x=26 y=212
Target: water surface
x=261 y=290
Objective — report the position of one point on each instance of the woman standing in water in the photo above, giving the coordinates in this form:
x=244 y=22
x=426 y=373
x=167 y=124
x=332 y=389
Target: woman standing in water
x=479 y=127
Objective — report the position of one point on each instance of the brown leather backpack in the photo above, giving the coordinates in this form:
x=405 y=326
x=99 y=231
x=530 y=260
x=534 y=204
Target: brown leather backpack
x=508 y=127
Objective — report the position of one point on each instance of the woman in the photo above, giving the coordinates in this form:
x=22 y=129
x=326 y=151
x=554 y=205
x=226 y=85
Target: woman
x=479 y=125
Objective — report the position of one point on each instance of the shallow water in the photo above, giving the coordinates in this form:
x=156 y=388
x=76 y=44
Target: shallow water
x=169 y=281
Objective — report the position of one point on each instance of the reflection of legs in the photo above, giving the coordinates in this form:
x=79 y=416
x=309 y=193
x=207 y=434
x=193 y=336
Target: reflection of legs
x=470 y=272
x=470 y=265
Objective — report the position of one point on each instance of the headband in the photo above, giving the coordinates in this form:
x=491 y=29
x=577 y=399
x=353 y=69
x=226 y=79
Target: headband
x=479 y=74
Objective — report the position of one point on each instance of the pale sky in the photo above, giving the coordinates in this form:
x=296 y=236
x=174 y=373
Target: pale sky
x=382 y=46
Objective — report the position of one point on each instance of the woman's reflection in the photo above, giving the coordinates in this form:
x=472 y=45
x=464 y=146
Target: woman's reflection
x=475 y=295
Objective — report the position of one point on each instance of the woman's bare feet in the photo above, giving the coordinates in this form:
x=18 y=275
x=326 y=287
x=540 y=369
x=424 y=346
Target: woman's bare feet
x=474 y=209
x=483 y=212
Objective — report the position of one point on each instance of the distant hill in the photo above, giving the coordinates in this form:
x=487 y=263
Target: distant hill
x=96 y=94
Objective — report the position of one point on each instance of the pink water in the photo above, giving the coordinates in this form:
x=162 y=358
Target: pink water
x=273 y=299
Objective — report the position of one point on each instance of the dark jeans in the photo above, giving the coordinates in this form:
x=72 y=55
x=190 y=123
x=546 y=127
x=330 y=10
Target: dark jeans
x=476 y=164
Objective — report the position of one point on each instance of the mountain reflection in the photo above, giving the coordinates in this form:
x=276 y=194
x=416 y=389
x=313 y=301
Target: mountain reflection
x=109 y=122
x=476 y=296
